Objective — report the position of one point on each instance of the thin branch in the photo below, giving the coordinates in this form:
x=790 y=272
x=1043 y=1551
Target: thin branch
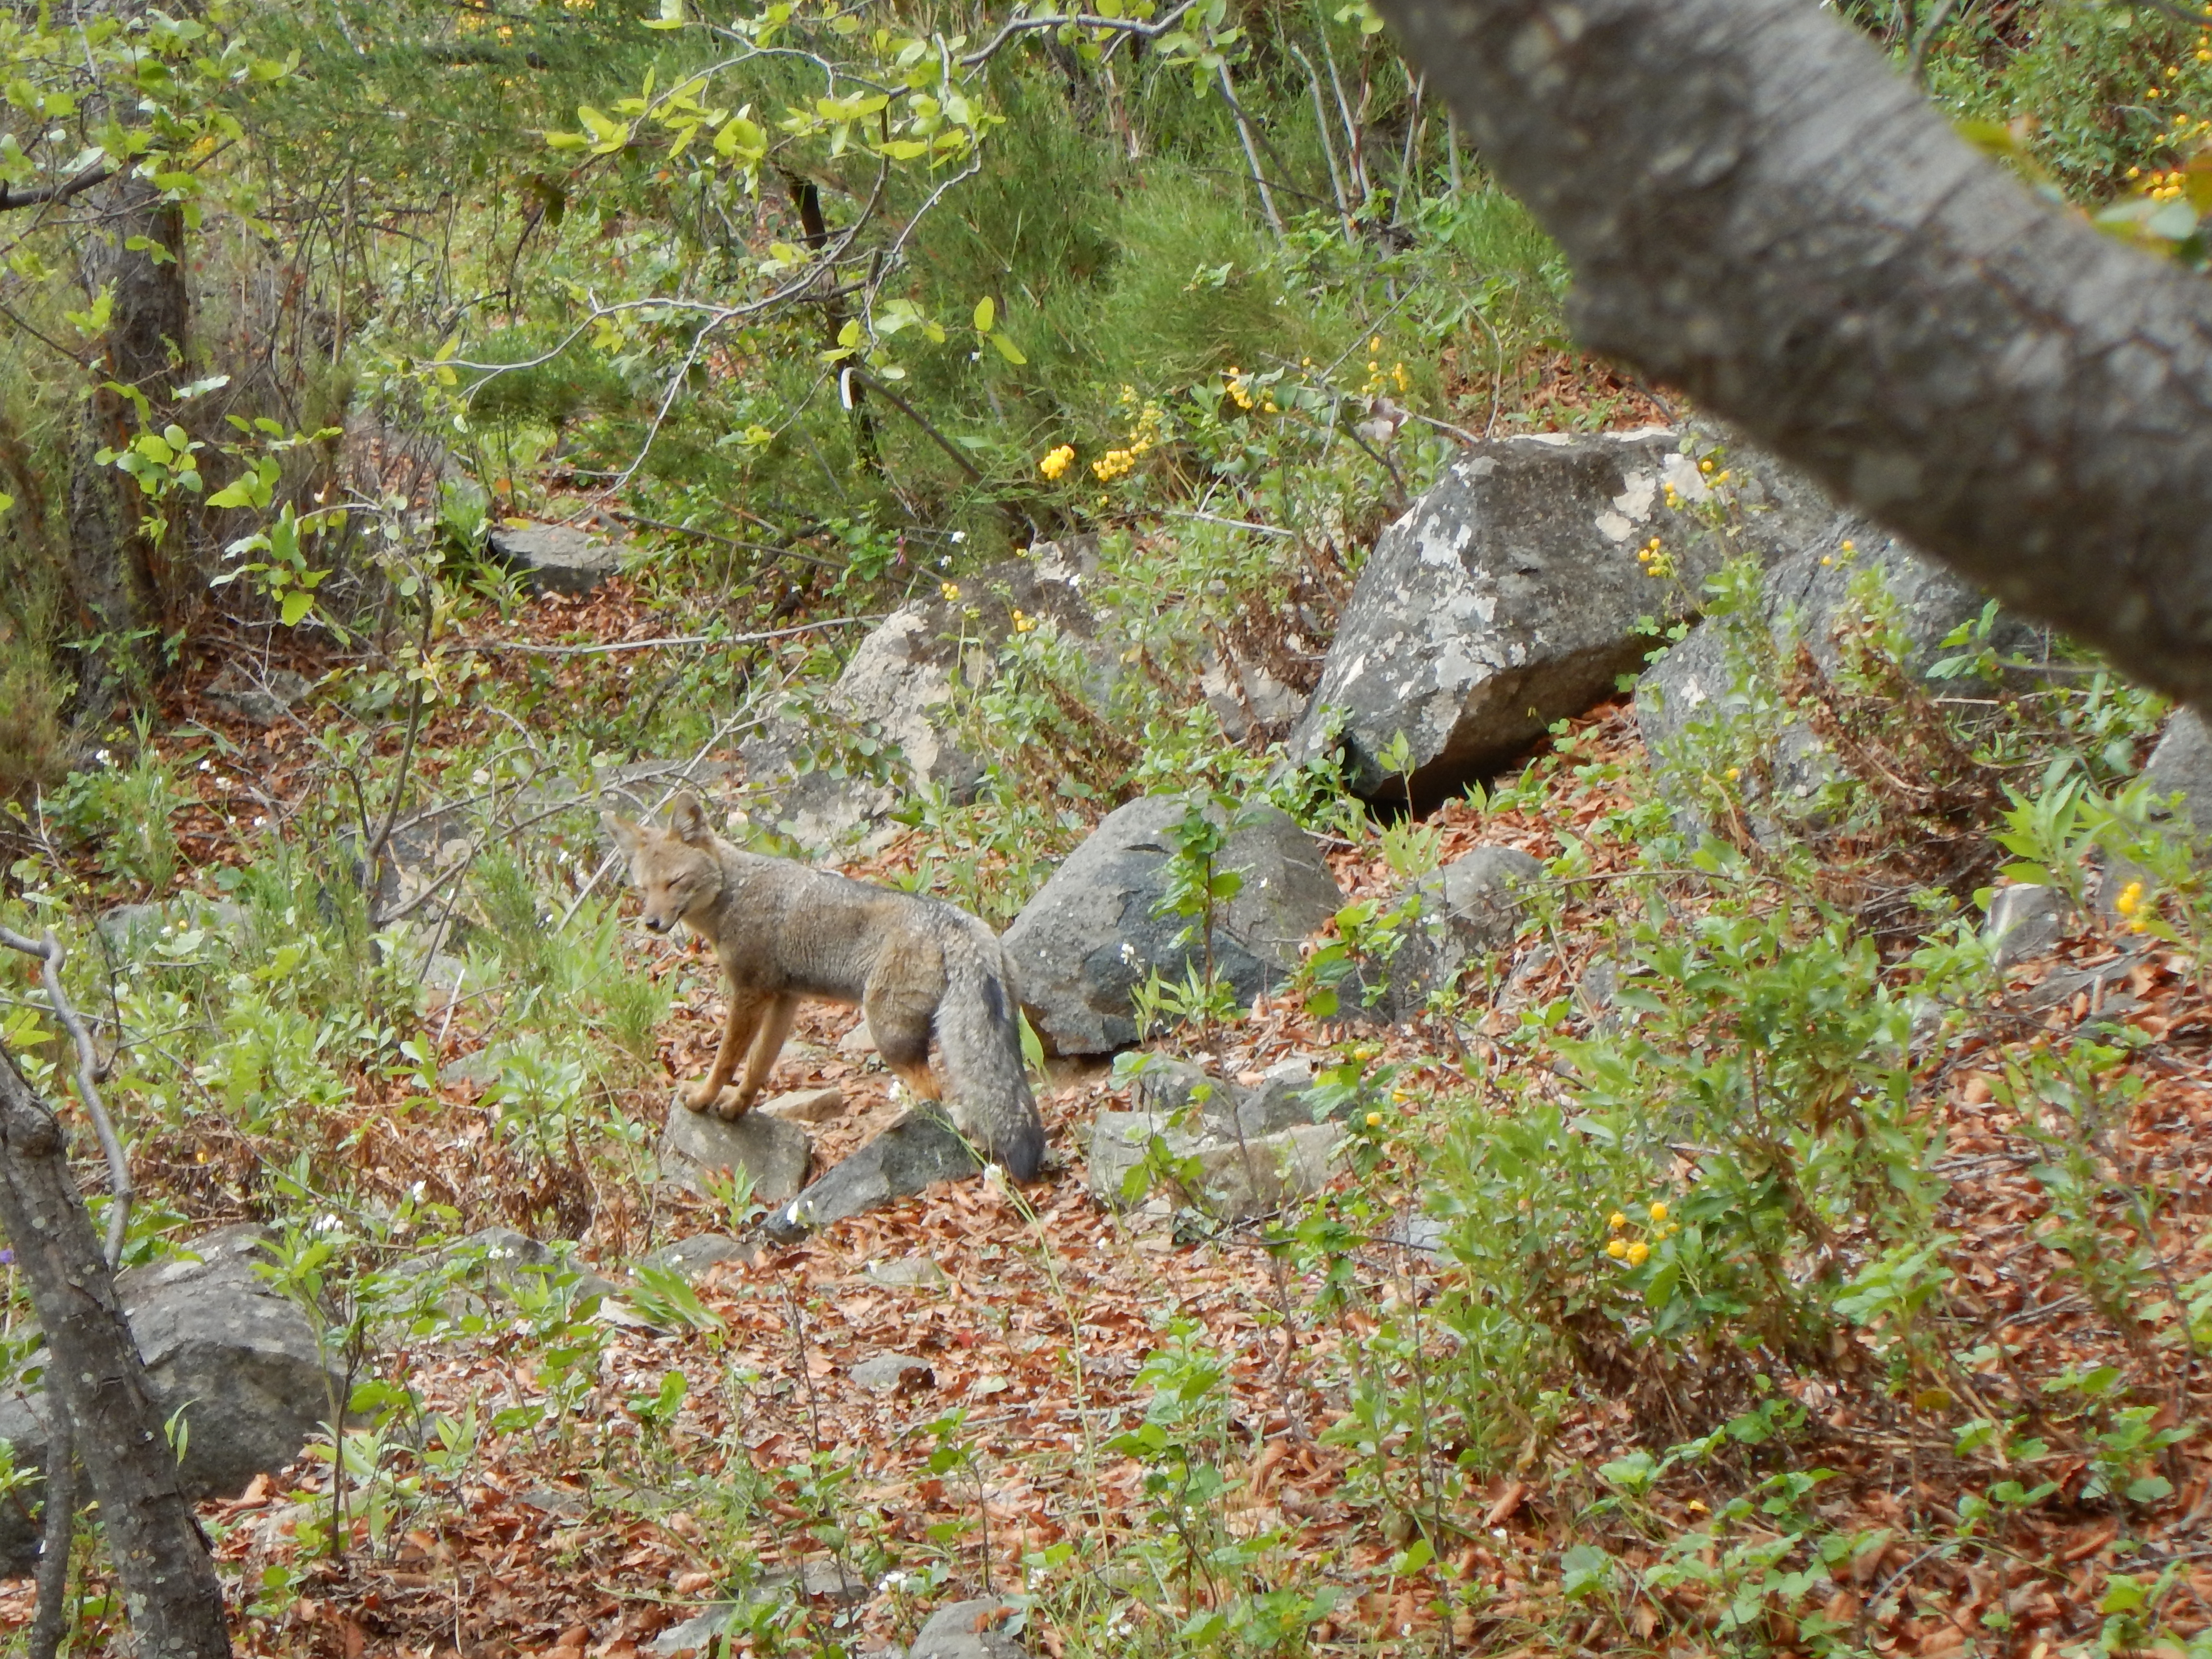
x=914 y=415
x=521 y=648
x=1129 y=25
x=49 y=954
x=98 y=173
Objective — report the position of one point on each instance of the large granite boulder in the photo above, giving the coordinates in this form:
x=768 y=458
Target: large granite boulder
x=1091 y=936
x=1510 y=595
x=1808 y=598
x=233 y=1358
x=883 y=729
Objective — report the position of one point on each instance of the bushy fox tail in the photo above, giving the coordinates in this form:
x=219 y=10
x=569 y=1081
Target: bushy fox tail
x=980 y=1035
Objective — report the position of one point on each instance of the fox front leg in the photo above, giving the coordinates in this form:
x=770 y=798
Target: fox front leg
x=744 y=1017
x=760 y=1060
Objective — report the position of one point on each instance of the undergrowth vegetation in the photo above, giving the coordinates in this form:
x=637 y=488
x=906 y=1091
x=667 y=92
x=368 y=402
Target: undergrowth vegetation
x=1741 y=1257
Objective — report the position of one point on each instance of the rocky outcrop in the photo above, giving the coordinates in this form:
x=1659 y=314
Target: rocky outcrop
x=1091 y=936
x=915 y=1152
x=1510 y=595
x=883 y=729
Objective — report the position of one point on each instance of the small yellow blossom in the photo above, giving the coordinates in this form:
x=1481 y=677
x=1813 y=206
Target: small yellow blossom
x=1616 y=1221
x=1695 y=1507
x=1398 y=374
x=1670 y=1230
x=1850 y=547
x=1617 y=1248
x=1374 y=345
x=1639 y=1254
x=1825 y=559
x=1057 y=462
x=1658 y=1212
x=1374 y=1120
x=2130 y=899
x=1705 y=466
x=1734 y=773
x=1023 y=624
x=1113 y=464
x=949 y=590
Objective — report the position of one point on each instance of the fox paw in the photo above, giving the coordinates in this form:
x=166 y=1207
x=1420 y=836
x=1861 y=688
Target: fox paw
x=731 y=1102
x=698 y=1098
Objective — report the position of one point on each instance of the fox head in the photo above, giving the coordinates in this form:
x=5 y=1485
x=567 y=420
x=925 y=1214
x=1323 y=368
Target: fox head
x=674 y=868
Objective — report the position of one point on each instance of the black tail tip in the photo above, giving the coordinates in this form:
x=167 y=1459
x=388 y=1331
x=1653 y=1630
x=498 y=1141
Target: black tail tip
x=1023 y=1156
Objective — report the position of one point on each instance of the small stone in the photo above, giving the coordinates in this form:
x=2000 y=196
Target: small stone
x=888 y=1373
x=913 y=1153
x=805 y=1105
x=1239 y=1181
x=858 y=1043
x=912 y=1273
x=826 y=1578
x=695 y=1146
x=477 y=1070
x=263 y=701
x=1118 y=1144
x=691 y=1258
x=1276 y=1103
x=966 y=1629
x=2026 y=920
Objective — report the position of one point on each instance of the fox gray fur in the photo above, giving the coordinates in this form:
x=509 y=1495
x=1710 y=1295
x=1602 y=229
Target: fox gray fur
x=785 y=934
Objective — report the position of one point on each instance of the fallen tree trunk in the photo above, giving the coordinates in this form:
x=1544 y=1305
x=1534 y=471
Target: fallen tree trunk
x=1760 y=211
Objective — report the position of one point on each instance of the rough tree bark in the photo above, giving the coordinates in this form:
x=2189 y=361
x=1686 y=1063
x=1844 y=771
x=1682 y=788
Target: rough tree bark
x=1759 y=211
x=170 y=1591
x=118 y=575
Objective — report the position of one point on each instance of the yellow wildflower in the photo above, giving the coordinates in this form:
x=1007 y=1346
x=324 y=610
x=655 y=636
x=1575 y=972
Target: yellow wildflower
x=949 y=590
x=1617 y=1250
x=2130 y=899
x=1113 y=464
x=1734 y=773
x=1022 y=624
x=1374 y=1120
x=1398 y=374
x=1057 y=461
x=1639 y=1254
x=1658 y=1212
x=1616 y=1221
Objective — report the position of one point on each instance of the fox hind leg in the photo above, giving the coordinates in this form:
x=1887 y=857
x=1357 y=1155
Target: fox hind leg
x=900 y=1021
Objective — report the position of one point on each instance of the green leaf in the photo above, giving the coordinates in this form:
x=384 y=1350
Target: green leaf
x=987 y=313
x=297 y=605
x=1009 y=350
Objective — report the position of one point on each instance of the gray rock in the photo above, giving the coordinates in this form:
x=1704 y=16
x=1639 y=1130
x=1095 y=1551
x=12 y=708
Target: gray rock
x=2182 y=765
x=1469 y=909
x=1238 y=1181
x=1509 y=597
x=1119 y=1141
x=694 y=1633
x=1167 y=1087
x=263 y=700
x=2025 y=920
x=888 y=1373
x=131 y=930
x=883 y=729
x=805 y=1105
x=223 y=1350
x=692 y=1257
x=557 y=558
x=1276 y=1103
x=917 y=1152
x=695 y=1146
x=1083 y=944
x=478 y=1069
x=965 y=1630
x=1805 y=597
x=503 y=1261
x=909 y=1273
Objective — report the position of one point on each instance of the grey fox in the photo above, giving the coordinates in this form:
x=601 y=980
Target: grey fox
x=784 y=933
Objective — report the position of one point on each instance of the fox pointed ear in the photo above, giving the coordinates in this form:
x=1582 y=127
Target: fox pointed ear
x=628 y=835
x=687 y=820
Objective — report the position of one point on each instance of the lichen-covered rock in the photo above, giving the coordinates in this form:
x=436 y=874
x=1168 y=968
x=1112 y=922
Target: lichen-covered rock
x=1510 y=596
x=1091 y=936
